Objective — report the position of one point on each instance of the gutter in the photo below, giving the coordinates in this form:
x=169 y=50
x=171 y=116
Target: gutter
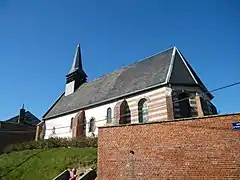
x=104 y=101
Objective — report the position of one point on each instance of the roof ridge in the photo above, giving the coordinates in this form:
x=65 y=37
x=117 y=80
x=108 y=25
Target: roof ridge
x=170 y=68
x=155 y=54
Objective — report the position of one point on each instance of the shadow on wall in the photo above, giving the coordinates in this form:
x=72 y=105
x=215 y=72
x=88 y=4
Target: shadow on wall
x=11 y=133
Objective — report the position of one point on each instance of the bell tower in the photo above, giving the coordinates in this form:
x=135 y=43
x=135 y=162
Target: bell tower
x=76 y=77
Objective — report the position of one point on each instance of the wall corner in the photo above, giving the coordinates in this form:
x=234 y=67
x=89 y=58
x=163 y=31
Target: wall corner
x=169 y=103
x=199 y=105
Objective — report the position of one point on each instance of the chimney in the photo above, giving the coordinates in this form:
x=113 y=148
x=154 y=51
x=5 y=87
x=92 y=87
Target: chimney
x=21 y=115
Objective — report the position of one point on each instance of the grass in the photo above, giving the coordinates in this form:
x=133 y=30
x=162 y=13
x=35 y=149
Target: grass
x=44 y=164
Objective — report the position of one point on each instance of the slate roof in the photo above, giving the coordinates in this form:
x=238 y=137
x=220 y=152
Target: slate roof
x=141 y=75
x=29 y=119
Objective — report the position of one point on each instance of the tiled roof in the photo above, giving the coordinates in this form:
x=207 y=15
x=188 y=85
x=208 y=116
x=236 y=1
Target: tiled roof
x=28 y=119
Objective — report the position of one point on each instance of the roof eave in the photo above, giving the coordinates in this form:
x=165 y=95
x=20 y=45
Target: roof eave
x=101 y=102
x=43 y=117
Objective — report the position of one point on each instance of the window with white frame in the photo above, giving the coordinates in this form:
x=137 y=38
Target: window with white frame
x=92 y=125
x=142 y=111
x=71 y=123
x=109 y=115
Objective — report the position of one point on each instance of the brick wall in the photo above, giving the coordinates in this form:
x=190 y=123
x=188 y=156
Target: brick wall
x=200 y=148
x=11 y=133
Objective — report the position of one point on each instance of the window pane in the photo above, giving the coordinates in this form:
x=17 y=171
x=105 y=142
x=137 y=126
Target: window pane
x=71 y=125
x=91 y=125
x=143 y=111
x=109 y=115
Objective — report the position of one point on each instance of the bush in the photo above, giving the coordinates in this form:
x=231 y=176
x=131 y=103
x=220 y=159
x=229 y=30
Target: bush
x=53 y=143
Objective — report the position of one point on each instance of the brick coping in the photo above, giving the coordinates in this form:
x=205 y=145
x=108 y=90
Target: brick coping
x=169 y=121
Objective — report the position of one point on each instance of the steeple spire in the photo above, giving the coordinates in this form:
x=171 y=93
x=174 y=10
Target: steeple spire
x=77 y=61
x=76 y=77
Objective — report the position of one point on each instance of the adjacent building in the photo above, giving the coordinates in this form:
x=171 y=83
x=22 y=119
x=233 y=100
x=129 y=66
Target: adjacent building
x=24 y=117
x=17 y=129
x=161 y=87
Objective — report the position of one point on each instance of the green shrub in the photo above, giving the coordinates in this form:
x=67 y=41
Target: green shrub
x=91 y=142
x=53 y=143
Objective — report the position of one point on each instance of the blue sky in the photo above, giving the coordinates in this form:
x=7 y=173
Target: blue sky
x=38 y=40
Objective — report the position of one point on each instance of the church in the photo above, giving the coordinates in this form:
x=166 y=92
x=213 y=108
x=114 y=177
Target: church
x=162 y=87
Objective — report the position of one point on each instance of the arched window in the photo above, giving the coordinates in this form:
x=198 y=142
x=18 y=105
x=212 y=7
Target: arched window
x=109 y=115
x=142 y=111
x=125 y=113
x=92 y=125
x=71 y=123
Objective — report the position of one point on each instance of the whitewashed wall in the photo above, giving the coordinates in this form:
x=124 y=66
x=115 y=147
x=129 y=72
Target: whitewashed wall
x=61 y=124
x=157 y=109
x=100 y=114
x=157 y=112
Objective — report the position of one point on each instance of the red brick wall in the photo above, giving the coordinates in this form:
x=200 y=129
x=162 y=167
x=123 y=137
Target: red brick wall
x=200 y=148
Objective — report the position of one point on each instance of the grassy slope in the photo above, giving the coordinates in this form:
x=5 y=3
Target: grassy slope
x=43 y=164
